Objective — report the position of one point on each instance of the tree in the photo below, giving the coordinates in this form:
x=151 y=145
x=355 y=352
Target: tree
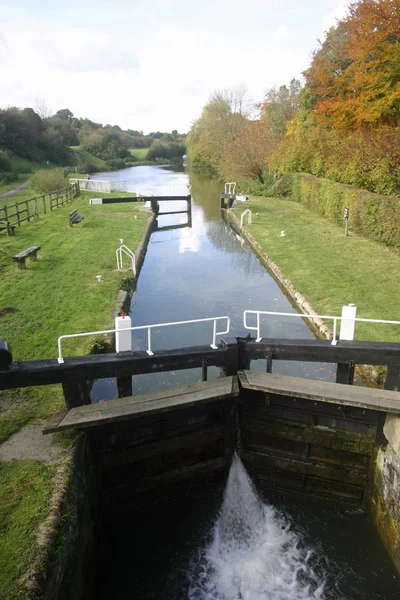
x=65 y=114
x=355 y=75
x=42 y=107
x=221 y=122
x=280 y=106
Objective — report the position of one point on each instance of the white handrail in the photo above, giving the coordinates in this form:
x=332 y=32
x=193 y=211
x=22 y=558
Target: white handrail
x=230 y=187
x=249 y=215
x=129 y=253
x=307 y=316
x=149 y=328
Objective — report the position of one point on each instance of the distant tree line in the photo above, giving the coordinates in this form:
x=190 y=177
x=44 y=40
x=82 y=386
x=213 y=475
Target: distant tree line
x=37 y=139
x=343 y=124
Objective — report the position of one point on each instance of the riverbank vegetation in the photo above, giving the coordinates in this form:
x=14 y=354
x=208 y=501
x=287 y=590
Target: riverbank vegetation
x=343 y=123
x=29 y=141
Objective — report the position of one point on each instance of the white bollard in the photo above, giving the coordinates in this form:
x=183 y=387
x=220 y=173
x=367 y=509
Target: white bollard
x=347 y=324
x=123 y=340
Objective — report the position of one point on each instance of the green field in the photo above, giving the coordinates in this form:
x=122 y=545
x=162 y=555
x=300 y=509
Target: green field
x=327 y=267
x=139 y=153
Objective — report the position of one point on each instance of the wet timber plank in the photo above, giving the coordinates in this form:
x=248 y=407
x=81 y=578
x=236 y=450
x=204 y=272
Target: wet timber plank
x=322 y=391
x=313 y=434
x=147 y=404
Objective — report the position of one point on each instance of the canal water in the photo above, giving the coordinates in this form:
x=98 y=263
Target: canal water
x=197 y=272
x=230 y=545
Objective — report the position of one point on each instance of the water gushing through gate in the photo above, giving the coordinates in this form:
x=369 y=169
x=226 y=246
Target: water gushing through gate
x=253 y=554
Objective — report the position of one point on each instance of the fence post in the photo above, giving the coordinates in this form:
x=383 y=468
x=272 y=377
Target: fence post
x=27 y=210
x=231 y=365
x=243 y=361
x=392 y=381
x=44 y=204
x=345 y=373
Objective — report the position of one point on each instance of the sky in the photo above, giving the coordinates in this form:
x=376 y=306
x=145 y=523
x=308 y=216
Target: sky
x=152 y=65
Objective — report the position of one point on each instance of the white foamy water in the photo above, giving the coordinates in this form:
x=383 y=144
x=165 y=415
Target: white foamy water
x=253 y=554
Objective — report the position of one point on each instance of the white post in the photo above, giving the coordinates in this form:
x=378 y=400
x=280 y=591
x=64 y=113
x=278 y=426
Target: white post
x=348 y=323
x=123 y=340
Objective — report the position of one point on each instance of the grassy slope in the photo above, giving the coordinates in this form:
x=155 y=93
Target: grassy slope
x=139 y=153
x=26 y=169
x=57 y=294
x=328 y=268
x=85 y=157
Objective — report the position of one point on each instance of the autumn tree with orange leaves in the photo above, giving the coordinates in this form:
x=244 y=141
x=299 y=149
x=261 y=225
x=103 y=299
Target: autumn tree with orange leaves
x=355 y=75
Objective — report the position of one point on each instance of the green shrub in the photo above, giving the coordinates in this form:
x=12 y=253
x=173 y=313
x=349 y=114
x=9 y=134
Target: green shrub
x=48 y=181
x=282 y=187
x=372 y=215
x=114 y=164
x=5 y=163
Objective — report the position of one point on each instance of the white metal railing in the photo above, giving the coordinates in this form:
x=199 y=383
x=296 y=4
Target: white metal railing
x=149 y=328
x=99 y=185
x=249 y=216
x=307 y=316
x=230 y=187
x=124 y=249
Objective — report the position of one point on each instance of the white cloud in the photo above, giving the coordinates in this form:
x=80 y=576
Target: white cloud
x=156 y=66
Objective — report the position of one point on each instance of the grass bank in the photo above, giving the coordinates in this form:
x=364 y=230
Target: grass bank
x=25 y=493
x=85 y=159
x=329 y=269
x=57 y=294
x=139 y=153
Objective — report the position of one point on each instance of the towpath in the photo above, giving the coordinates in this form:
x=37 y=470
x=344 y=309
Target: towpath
x=15 y=190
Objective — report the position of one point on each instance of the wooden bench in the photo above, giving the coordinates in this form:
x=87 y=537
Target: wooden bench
x=74 y=218
x=22 y=256
x=5 y=225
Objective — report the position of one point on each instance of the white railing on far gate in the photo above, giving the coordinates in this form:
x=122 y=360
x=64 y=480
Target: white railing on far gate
x=335 y=319
x=149 y=330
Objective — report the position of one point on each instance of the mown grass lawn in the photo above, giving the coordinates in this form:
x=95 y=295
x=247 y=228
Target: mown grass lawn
x=60 y=294
x=25 y=492
x=57 y=294
x=327 y=267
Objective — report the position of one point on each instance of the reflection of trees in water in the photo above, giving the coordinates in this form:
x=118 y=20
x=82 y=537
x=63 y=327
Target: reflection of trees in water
x=224 y=238
x=205 y=192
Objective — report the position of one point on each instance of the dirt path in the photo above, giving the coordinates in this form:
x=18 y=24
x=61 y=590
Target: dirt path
x=15 y=190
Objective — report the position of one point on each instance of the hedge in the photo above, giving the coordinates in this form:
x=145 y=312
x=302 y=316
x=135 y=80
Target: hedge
x=372 y=215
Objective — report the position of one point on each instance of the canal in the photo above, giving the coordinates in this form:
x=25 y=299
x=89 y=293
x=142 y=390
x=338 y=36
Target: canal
x=232 y=544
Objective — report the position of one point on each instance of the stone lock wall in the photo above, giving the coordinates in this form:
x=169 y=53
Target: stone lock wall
x=385 y=500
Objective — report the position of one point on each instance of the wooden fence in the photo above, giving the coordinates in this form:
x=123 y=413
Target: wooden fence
x=25 y=210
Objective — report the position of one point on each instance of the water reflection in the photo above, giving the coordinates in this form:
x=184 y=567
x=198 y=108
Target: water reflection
x=201 y=271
